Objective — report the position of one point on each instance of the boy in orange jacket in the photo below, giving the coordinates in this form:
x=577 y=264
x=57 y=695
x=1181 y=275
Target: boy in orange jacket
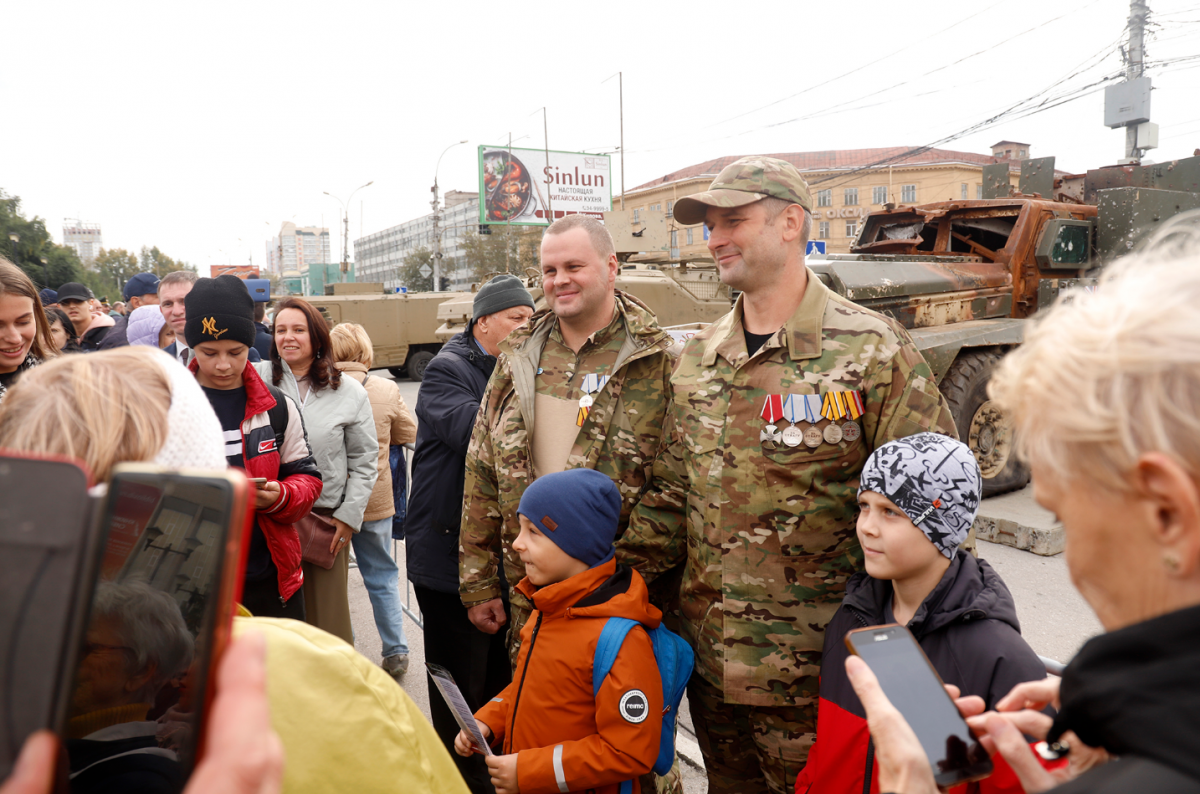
x=557 y=735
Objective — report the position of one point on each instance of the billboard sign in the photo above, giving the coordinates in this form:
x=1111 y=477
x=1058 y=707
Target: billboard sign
x=519 y=186
x=241 y=271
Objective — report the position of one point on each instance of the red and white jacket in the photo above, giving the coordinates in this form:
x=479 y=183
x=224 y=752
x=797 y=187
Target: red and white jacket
x=289 y=462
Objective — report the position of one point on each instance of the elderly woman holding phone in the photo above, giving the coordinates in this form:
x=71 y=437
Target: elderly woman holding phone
x=341 y=431
x=1104 y=399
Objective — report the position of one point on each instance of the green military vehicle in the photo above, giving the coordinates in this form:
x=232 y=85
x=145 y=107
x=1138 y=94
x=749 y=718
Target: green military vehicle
x=964 y=276
x=401 y=326
x=678 y=295
x=407 y=330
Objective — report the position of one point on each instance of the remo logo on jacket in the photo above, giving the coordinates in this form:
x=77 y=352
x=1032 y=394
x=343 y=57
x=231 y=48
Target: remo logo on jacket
x=634 y=706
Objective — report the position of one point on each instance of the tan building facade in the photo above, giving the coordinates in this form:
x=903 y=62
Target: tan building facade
x=847 y=185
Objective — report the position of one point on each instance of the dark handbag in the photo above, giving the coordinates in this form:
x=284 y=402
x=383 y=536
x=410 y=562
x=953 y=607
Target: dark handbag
x=316 y=536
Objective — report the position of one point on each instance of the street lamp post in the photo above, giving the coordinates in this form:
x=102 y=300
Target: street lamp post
x=437 y=220
x=13 y=239
x=45 y=271
x=346 y=226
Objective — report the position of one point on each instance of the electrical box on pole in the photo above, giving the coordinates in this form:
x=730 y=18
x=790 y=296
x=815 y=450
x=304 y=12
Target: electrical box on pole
x=1127 y=103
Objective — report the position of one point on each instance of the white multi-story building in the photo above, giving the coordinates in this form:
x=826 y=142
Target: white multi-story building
x=301 y=246
x=84 y=238
x=378 y=257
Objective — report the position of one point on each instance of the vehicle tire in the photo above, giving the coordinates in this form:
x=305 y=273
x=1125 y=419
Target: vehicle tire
x=416 y=364
x=398 y=372
x=981 y=425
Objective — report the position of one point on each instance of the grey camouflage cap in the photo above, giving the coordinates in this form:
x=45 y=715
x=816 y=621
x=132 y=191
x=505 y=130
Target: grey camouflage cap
x=746 y=181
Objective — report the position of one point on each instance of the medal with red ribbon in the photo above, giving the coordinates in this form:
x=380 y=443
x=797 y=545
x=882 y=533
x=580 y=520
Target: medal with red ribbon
x=772 y=412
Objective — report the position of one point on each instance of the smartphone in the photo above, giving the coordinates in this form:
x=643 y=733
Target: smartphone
x=258 y=481
x=158 y=620
x=48 y=560
x=915 y=689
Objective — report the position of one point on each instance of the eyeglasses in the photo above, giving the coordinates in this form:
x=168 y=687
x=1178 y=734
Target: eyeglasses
x=90 y=648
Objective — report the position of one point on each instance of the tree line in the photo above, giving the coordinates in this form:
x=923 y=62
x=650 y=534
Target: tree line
x=27 y=243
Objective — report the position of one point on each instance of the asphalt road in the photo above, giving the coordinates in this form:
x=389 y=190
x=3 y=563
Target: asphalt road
x=1054 y=618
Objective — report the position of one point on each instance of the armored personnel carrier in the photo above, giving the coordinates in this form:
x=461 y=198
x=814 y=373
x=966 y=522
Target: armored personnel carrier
x=964 y=276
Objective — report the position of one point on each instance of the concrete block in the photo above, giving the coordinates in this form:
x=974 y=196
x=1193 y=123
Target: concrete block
x=1016 y=520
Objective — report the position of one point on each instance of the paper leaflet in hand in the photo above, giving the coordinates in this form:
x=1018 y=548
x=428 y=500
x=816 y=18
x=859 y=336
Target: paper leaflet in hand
x=458 y=705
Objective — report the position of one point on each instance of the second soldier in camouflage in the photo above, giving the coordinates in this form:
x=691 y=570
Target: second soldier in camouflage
x=775 y=408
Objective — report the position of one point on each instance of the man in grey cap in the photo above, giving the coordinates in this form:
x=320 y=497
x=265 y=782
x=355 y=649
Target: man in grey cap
x=446 y=406
x=775 y=408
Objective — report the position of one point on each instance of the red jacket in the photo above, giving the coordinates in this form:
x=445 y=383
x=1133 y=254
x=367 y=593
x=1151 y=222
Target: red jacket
x=292 y=466
x=969 y=630
x=565 y=738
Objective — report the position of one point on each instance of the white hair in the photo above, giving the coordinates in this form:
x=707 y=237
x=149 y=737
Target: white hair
x=1106 y=376
x=149 y=622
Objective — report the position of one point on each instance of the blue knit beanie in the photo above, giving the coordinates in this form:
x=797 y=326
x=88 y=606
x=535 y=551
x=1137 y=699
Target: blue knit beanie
x=578 y=509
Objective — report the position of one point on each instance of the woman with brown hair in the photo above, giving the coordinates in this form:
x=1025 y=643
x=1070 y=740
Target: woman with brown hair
x=341 y=431
x=24 y=332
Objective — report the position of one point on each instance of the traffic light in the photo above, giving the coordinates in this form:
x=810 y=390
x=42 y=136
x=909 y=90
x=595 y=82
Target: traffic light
x=485 y=228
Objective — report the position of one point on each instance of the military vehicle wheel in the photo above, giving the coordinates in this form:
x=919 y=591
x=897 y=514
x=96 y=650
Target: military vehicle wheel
x=416 y=364
x=981 y=425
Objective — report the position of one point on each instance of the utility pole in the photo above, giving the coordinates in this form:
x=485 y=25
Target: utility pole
x=437 y=220
x=621 y=101
x=1135 y=65
x=345 y=267
x=345 y=243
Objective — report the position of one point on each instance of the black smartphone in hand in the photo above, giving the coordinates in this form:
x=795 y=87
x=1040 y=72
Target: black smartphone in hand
x=913 y=686
x=48 y=558
x=158 y=619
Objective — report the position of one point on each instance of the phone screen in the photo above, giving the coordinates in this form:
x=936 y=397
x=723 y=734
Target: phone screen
x=47 y=553
x=133 y=720
x=913 y=687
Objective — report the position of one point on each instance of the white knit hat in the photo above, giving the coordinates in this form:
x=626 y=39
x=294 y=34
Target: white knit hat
x=194 y=436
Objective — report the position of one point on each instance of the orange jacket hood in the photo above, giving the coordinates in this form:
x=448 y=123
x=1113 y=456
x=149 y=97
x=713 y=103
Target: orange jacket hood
x=600 y=592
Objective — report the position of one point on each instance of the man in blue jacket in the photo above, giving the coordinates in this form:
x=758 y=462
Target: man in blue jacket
x=446 y=407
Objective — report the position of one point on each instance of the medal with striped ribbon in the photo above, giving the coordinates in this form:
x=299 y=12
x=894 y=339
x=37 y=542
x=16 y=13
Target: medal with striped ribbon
x=592 y=383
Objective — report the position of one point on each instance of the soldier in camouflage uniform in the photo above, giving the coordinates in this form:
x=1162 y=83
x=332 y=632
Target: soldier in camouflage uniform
x=775 y=407
x=592 y=377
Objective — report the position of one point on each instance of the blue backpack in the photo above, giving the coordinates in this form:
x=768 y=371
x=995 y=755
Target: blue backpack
x=675 y=661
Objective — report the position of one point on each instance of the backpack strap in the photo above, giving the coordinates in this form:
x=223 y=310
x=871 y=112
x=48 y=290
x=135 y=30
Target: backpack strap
x=278 y=415
x=612 y=637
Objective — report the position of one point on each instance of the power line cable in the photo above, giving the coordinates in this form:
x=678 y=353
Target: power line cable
x=853 y=71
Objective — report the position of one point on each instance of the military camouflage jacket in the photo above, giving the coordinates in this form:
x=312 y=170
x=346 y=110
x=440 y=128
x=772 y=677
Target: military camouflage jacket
x=768 y=528
x=620 y=436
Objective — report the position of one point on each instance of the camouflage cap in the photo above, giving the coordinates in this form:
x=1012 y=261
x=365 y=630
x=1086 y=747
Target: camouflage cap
x=743 y=182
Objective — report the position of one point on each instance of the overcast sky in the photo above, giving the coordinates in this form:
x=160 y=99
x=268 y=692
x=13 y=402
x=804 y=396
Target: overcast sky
x=202 y=130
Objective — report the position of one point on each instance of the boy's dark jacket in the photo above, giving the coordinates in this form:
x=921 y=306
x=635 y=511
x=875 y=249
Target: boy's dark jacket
x=969 y=630
x=567 y=738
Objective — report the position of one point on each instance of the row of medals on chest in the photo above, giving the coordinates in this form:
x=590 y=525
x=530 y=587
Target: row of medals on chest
x=804 y=411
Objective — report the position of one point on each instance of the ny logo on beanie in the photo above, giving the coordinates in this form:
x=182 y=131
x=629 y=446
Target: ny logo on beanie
x=210 y=327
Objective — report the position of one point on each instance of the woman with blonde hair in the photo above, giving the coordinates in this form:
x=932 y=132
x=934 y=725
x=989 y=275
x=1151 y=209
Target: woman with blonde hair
x=25 y=338
x=354 y=354
x=152 y=410
x=1103 y=396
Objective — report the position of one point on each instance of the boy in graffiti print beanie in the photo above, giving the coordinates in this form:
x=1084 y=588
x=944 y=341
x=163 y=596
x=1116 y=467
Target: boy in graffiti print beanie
x=556 y=733
x=918 y=497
